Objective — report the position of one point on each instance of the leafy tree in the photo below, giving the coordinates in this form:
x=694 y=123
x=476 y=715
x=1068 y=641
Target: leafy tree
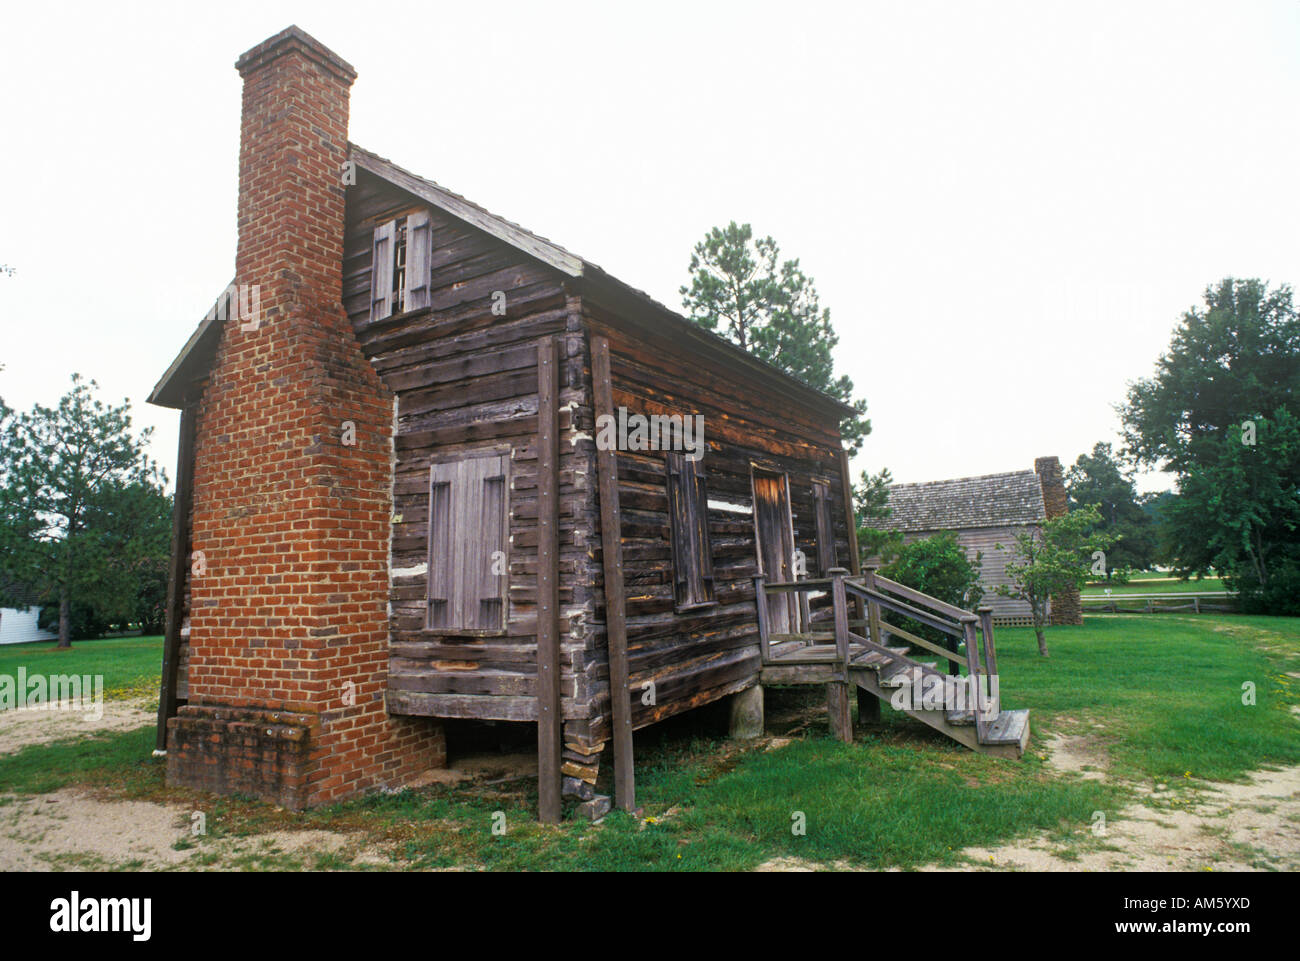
x=1100 y=478
x=1220 y=413
x=1053 y=558
x=1239 y=513
x=741 y=289
x=939 y=566
x=871 y=507
x=76 y=485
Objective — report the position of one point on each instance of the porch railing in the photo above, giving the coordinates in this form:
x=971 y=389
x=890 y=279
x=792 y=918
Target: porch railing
x=875 y=598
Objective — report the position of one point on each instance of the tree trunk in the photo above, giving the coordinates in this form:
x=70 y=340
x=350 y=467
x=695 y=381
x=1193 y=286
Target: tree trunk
x=65 y=620
x=1042 y=642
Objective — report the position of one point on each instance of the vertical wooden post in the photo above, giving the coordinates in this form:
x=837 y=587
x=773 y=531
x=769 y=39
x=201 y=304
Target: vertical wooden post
x=874 y=633
x=180 y=564
x=972 y=668
x=850 y=518
x=611 y=538
x=840 y=608
x=837 y=708
x=549 y=744
x=990 y=652
x=760 y=600
x=837 y=692
x=851 y=525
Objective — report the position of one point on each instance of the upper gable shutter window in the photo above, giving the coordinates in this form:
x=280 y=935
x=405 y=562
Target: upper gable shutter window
x=688 y=512
x=418 y=249
x=381 y=271
x=468 y=544
x=401 y=265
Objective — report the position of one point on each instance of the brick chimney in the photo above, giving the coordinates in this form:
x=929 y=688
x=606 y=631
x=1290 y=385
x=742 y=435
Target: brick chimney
x=289 y=626
x=1066 y=606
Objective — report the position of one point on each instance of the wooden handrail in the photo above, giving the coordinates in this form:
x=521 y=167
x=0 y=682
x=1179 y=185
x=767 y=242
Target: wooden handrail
x=907 y=610
x=925 y=600
x=911 y=638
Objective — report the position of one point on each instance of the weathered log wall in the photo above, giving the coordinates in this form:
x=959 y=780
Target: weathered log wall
x=696 y=656
x=465 y=378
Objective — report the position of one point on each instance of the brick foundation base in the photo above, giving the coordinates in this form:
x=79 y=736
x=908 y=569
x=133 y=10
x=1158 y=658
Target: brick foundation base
x=274 y=755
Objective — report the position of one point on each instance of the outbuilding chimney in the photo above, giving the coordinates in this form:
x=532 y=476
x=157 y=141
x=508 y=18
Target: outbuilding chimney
x=1066 y=606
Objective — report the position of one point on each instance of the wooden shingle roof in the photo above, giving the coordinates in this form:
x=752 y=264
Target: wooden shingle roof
x=990 y=500
x=197 y=354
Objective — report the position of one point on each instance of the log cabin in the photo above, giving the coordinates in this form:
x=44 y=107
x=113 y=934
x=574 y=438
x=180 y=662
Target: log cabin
x=394 y=506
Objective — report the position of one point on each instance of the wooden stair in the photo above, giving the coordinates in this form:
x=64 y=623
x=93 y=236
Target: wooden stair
x=881 y=662
x=1006 y=733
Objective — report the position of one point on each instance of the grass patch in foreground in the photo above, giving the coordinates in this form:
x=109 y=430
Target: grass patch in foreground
x=1159 y=695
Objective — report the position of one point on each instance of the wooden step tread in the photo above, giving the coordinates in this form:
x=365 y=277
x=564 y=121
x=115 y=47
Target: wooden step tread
x=1009 y=727
x=871 y=660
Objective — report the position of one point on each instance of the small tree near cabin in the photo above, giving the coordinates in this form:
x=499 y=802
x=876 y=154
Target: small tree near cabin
x=1051 y=559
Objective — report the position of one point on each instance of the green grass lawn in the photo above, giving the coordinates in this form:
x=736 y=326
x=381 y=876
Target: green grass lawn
x=131 y=665
x=1154 y=582
x=1160 y=698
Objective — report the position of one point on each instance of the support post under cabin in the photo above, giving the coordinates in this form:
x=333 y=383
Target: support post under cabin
x=837 y=692
x=549 y=744
x=611 y=539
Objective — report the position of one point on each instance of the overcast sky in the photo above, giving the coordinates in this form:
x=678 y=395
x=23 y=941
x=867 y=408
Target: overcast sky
x=1006 y=206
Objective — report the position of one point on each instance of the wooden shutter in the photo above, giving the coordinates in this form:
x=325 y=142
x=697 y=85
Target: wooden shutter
x=825 y=527
x=688 y=511
x=381 y=272
x=442 y=536
x=485 y=519
x=419 y=239
x=468 y=524
x=700 y=517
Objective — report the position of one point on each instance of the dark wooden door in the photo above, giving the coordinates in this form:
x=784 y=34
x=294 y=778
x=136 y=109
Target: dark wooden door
x=775 y=546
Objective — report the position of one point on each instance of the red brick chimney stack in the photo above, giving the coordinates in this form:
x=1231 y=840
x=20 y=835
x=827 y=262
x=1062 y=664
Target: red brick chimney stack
x=1066 y=606
x=289 y=623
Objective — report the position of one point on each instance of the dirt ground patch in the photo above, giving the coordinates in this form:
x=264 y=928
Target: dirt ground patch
x=69 y=830
x=1078 y=754
x=1224 y=827
x=27 y=726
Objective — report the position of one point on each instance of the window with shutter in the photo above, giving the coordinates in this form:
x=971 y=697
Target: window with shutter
x=688 y=512
x=400 y=268
x=468 y=544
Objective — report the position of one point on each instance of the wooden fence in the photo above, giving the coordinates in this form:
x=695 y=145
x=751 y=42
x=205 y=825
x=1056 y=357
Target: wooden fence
x=1198 y=602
